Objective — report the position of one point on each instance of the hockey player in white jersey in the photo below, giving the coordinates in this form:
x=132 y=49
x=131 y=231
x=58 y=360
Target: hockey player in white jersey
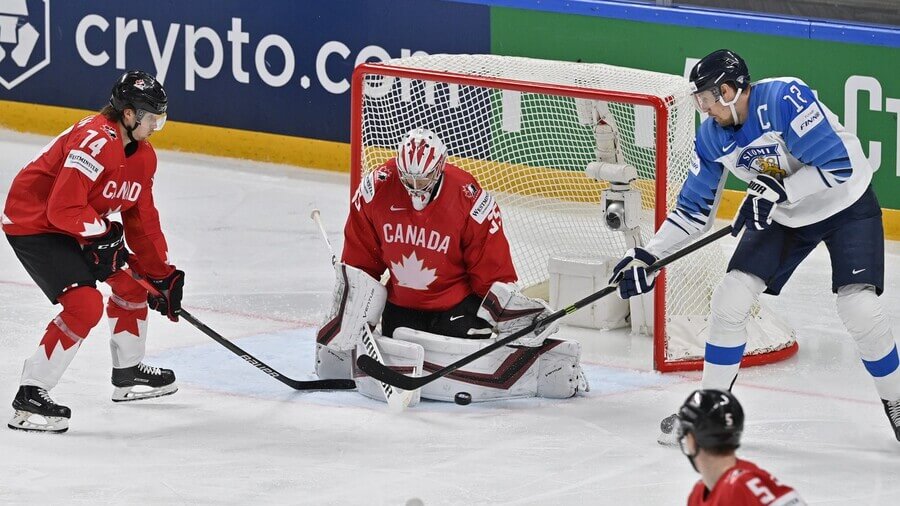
x=808 y=182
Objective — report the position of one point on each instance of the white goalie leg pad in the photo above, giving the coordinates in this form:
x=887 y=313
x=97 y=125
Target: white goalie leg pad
x=730 y=309
x=863 y=315
x=401 y=356
x=358 y=301
x=509 y=311
x=560 y=375
x=506 y=373
x=332 y=363
x=483 y=379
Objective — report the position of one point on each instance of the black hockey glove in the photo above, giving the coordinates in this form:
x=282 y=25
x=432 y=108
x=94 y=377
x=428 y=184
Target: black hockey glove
x=631 y=273
x=763 y=194
x=106 y=254
x=168 y=302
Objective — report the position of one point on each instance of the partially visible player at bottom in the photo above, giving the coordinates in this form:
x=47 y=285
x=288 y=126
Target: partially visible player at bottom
x=711 y=423
x=452 y=284
x=55 y=219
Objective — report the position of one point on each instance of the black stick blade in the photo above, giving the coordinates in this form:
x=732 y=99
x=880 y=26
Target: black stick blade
x=326 y=384
x=387 y=375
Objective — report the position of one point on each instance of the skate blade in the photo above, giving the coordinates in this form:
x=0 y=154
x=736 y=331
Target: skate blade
x=33 y=422
x=140 y=392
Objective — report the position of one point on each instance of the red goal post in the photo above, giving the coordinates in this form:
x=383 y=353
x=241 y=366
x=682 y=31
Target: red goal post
x=531 y=107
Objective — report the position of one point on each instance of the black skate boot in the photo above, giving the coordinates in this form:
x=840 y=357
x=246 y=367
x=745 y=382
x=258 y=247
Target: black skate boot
x=142 y=382
x=893 y=413
x=36 y=412
x=669 y=431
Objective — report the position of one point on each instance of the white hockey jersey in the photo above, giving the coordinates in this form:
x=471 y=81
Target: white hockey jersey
x=789 y=135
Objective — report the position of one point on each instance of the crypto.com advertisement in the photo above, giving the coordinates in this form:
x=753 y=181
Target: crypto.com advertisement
x=275 y=66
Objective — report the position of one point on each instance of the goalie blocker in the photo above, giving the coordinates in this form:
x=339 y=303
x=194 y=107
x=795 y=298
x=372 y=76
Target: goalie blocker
x=532 y=366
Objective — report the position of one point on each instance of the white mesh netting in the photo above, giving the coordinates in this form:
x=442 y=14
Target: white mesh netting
x=515 y=125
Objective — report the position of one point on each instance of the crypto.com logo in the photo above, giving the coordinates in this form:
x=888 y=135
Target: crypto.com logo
x=22 y=25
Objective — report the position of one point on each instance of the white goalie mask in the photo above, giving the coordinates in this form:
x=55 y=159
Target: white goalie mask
x=420 y=163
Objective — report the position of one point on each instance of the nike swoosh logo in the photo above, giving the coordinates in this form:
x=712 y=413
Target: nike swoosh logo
x=855 y=271
x=398 y=208
x=454 y=318
x=726 y=148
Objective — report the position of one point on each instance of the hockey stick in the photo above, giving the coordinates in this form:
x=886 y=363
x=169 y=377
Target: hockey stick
x=387 y=375
x=316 y=217
x=397 y=400
x=330 y=384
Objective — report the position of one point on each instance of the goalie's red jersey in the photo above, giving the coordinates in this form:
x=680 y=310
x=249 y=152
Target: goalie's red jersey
x=83 y=176
x=438 y=256
x=745 y=484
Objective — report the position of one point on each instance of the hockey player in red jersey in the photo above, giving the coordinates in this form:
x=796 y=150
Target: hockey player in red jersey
x=56 y=220
x=711 y=423
x=441 y=236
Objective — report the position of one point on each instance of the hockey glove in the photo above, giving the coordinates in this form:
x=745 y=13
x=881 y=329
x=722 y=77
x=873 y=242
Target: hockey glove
x=508 y=311
x=106 y=254
x=168 y=302
x=763 y=194
x=631 y=273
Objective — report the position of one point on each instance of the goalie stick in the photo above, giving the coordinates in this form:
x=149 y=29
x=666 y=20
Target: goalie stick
x=387 y=375
x=328 y=384
x=396 y=398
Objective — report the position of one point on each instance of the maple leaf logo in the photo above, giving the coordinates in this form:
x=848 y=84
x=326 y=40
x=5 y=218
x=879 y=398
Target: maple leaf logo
x=93 y=228
x=410 y=273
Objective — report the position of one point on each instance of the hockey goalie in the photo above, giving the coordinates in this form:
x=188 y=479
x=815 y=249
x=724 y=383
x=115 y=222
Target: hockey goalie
x=451 y=289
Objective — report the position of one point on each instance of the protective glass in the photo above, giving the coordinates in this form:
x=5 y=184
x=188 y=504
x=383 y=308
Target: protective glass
x=703 y=100
x=155 y=121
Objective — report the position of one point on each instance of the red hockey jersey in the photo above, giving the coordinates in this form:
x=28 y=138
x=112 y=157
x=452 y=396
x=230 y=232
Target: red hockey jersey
x=83 y=176
x=745 y=484
x=437 y=256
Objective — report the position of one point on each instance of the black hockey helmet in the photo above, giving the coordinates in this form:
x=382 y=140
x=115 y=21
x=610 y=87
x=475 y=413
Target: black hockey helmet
x=720 y=66
x=139 y=90
x=714 y=417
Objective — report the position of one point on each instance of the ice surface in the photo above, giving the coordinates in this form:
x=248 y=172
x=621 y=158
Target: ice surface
x=258 y=273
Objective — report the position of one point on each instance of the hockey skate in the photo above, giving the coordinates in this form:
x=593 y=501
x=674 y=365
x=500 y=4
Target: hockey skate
x=142 y=382
x=36 y=412
x=892 y=409
x=668 y=431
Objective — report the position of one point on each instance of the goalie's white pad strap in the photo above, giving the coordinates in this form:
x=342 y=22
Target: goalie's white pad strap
x=506 y=373
x=359 y=300
x=404 y=357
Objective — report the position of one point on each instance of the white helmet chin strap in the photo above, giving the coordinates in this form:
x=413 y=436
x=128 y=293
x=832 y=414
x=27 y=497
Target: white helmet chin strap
x=730 y=105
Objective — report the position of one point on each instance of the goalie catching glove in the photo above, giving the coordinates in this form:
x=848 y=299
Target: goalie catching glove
x=509 y=311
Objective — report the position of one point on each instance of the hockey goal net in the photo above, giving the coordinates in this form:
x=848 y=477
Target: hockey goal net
x=519 y=126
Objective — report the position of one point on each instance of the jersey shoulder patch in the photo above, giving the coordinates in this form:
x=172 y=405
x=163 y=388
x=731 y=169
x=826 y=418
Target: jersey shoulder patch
x=370 y=183
x=84 y=163
x=483 y=205
x=807 y=119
